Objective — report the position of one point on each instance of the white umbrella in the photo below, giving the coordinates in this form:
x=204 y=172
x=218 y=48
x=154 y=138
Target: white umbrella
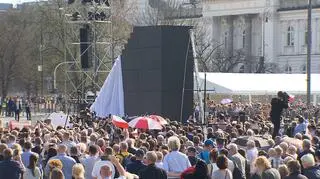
x=145 y=123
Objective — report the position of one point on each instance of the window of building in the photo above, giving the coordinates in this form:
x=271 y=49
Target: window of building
x=306 y=36
x=288 y=69
x=290 y=36
x=226 y=40
x=241 y=69
x=244 y=39
x=304 y=68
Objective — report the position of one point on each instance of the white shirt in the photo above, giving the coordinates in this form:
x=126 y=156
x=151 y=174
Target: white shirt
x=230 y=165
x=10 y=144
x=214 y=168
x=159 y=164
x=28 y=174
x=97 y=166
x=176 y=162
x=252 y=154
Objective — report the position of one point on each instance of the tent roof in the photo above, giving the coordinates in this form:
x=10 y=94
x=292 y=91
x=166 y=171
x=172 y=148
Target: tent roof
x=258 y=84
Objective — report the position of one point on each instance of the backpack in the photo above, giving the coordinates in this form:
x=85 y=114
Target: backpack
x=237 y=173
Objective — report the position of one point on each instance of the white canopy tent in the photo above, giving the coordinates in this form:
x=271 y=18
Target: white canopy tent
x=258 y=84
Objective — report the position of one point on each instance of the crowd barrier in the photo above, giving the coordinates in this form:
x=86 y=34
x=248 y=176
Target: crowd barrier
x=20 y=125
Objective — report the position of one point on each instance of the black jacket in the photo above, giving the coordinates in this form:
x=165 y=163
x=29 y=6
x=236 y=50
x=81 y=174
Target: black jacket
x=135 y=167
x=312 y=172
x=295 y=176
x=277 y=107
x=153 y=172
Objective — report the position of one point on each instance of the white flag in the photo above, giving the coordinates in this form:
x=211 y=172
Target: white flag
x=110 y=99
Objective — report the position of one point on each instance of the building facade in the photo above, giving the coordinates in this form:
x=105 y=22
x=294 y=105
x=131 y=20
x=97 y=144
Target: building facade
x=273 y=29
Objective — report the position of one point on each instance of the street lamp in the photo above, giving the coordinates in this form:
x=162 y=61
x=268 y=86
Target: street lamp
x=55 y=73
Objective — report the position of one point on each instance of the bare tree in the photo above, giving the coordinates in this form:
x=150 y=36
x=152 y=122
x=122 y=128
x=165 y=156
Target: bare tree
x=13 y=46
x=223 y=62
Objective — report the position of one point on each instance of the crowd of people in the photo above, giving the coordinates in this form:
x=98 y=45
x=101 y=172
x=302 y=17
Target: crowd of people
x=17 y=106
x=95 y=149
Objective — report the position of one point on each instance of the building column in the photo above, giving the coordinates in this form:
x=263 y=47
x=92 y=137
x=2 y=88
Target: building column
x=271 y=36
x=248 y=44
x=230 y=34
x=216 y=30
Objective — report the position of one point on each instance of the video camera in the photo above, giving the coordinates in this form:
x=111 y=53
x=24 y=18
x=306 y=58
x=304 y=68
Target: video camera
x=284 y=96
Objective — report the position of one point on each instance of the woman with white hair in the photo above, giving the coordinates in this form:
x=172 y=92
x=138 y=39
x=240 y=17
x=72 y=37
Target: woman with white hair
x=252 y=151
x=175 y=162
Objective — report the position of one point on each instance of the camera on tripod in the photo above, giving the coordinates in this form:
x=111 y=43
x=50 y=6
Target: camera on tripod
x=284 y=96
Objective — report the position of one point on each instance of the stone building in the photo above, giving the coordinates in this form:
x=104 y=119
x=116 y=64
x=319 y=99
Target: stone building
x=273 y=29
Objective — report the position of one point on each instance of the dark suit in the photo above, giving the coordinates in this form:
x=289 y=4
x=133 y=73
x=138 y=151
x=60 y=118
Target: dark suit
x=135 y=167
x=271 y=174
x=10 y=169
x=312 y=172
x=277 y=107
x=153 y=172
x=295 y=176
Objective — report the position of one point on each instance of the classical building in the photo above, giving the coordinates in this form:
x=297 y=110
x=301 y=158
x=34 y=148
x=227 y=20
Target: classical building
x=271 y=32
x=273 y=29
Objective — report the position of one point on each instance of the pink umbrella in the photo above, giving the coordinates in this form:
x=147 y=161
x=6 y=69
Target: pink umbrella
x=159 y=119
x=144 y=123
x=226 y=101
x=119 y=122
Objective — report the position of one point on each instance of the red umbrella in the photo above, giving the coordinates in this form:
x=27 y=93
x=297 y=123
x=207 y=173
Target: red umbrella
x=159 y=119
x=144 y=123
x=119 y=122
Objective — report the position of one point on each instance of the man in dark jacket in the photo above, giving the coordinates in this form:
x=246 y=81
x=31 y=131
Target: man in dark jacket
x=10 y=168
x=136 y=164
x=310 y=169
x=151 y=171
x=277 y=106
x=192 y=155
x=294 y=170
x=306 y=146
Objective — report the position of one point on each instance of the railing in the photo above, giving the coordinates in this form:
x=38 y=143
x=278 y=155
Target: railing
x=183 y=13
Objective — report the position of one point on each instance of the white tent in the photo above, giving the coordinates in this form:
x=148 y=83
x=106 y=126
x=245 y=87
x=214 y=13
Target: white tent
x=258 y=84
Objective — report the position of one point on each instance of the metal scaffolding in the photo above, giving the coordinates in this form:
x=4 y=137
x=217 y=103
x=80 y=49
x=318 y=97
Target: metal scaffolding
x=96 y=16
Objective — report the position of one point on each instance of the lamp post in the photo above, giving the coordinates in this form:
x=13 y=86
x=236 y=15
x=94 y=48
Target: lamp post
x=309 y=53
x=55 y=73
